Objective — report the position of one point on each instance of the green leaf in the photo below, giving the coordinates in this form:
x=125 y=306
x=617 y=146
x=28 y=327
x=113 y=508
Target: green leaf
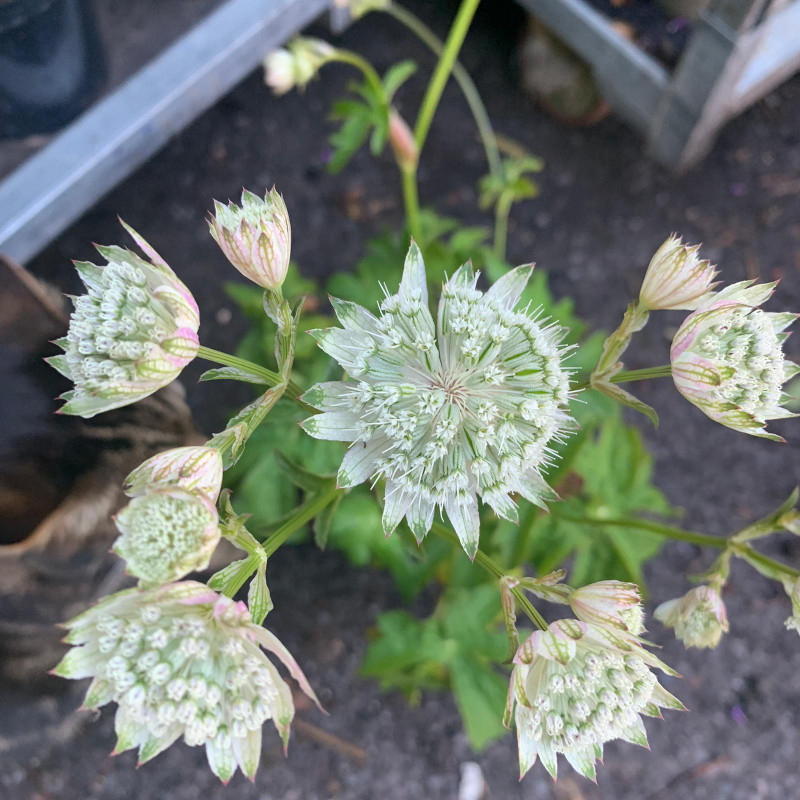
x=229 y=580
x=480 y=694
x=259 y=600
x=232 y=374
x=396 y=76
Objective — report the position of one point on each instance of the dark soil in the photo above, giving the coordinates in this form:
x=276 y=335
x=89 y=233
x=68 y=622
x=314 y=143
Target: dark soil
x=603 y=210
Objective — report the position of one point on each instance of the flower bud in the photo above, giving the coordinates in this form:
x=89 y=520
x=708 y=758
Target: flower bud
x=295 y=65
x=698 y=618
x=676 y=278
x=166 y=533
x=183 y=660
x=614 y=603
x=195 y=469
x=403 y=143
x=131 y=334
x=256 y=237
x=727 y=359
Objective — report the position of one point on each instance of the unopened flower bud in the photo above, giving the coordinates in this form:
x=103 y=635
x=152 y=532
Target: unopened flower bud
x=676 y=278
x=698 y=618
x=131 y=334
x=614 y=603
x=727 y=359
x=403 y=143
x=166 y=534
x=255 y=237
x=793 y=590
x=195 y=469
x=295 y=65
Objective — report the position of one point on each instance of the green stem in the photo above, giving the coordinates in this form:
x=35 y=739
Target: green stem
x=411 y=202
x=502 y=211
x=303 y=514
x=462 y=78
x=493 y=568
x=630 y=375
x=771 y=565
x=443 y=69
x=270 y=378
x=369 y=72
x=701 y=539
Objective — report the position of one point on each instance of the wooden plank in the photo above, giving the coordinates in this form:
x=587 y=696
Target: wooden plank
x=108 y=142
x=630 y=80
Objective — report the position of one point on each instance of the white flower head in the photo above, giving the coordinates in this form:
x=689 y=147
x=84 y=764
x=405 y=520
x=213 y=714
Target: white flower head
x=166 y=533
x=699 y=617
x=614 y=603
x=576 y=686
x=676 y=278
x=727 y=359
x=255 y=237
x=295 y=65
x=181 y=660
x=445 y=411
x=195 y=469
x=131 y=334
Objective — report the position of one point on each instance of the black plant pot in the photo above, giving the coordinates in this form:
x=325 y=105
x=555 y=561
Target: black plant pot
x=52 y=64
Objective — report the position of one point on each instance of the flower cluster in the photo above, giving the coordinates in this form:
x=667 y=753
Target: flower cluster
x=447 y=411
x=255 y=237
x=129 y=335
x=576 y=686
x=182 y=660
x=699 y=617
x=727 y=358
x=676 y=278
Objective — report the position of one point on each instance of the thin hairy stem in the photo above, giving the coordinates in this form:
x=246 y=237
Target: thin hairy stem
x=501 y=214
x=462 y=78
x=443 y=69
x=630 y=375
x=369 y=72
x=493 y=568
x=270 y=378
x=301 y=516
x=701 y=539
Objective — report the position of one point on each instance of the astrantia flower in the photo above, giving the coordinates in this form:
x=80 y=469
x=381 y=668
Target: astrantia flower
x=699 y=617
x=576 y=686
x=676 y=278
x=167 y=533
x=447 y=411
x=195 y=469
x=131 y=334
x=256 y=237
x=727 y=359
x=295 y=65
x=614 y=603
x=183 y=660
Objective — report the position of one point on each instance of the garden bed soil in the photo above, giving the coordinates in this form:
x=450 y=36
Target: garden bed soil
x=603 y=210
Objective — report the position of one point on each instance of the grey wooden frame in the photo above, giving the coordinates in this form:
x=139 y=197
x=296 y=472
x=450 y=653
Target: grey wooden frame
x=739 y=50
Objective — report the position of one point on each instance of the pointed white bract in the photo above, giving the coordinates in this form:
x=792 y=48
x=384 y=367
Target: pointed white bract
x=255 y=237
x=182 y=660
x=296 y=64
x=699 y=617
x=166 y=533
x=195 y=469
x=445 y=411
x=576 y=686
x=727 y=359
x=676 y=278
x=614 y=603
x=132 y=333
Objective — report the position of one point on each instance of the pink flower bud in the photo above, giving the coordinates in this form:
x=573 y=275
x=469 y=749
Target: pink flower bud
x=403 y=143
